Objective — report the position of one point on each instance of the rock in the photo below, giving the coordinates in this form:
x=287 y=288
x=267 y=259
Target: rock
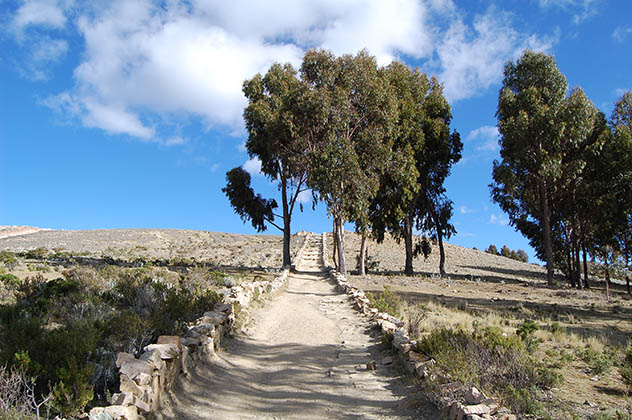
x=114 y=412
x=134 y=368
x=229 y=281
x=423 y=368
x=121 y=357
x=223 y=307
x=387 y=326
x=170 y=339
x=371 y=365
x=474 y=396
x=142 y=405
x=129 y=386
x=167 y=351
x=122 y=398
x=153 y=358
x=190 y=342
x=387 y=360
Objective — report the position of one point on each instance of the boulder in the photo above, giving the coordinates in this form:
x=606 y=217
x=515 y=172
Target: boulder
x=170 y=339
x=474 y=396
x=122 y=357
x=167 y=351
x=153 y=358
x=134 y=368
x=122 y=398
x=114 y=412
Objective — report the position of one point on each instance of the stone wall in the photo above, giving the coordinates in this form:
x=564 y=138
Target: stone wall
x=145 y=379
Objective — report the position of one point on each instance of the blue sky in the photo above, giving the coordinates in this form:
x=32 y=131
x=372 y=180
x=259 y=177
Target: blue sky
x=124 y=114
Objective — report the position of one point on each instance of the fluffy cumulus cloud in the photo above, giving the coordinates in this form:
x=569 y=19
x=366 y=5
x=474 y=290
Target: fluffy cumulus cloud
x=253 y=167
x=146 y=63
x=498 y=219
x=472 y=56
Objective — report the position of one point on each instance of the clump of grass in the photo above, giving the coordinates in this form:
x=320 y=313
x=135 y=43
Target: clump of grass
x=625 y=370
x=598 y=361
x=386 y=301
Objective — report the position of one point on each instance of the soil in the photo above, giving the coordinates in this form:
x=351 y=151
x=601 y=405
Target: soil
x=304 y=356
x=224 y=249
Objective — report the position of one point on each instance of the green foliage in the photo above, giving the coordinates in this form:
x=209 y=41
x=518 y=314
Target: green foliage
x=36 y=254
x=247 y=204
x=525 y=331
x=386 y=301
x=371 y=264
x=548 y=378
x=492 y=250
x=9 y=280
x=598 y=362
x=66 y=331
x=8 y=258
x=505 y=251
x=625 y=370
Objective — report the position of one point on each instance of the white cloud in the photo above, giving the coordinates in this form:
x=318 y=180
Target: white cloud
x=621 y=33
x=621 y=91
x=40 y=12
x=175 y=141
x=214 y=167
x=242 y=147
x=146 y=64
x=465 y=210
x=581 y=10
x=472 y=58
x=486 y=137
x=304 y=196
x=253 y=167
x=498 y=219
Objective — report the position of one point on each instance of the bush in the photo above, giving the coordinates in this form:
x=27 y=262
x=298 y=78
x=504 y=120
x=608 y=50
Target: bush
x=9 y=280
x=492 y=250
x=526 y=331
x=8 y=259
x=625 y=370
x=597 y=362
x=386 y=301
x=497 y=363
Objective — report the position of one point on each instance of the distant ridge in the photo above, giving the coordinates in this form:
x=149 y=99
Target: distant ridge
x=8 y=231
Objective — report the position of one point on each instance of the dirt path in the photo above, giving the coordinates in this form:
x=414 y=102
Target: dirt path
x=303 y=357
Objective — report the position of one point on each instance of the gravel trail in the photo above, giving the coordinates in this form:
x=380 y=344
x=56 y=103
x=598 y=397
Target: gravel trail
x=303 y=357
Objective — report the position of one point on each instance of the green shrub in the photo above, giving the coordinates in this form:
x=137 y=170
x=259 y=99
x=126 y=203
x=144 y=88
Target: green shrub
x=8 y=258
x=625 y=370
x=386 y=301
x=525 y=331
x=597 y=362
x=9 y=280
x=36 y=254
x=548 y=378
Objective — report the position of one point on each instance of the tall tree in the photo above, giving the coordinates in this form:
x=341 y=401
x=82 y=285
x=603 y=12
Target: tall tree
x=351 y=114
x=392 y=210
x=442 y=149
x=530 y=121
x=274 y=138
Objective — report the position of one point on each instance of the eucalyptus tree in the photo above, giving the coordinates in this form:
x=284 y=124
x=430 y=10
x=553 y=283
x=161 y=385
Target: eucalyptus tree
x=392 y=210
x=351 y=114
x=442 y=149
x=274 y=138
x=530 y=115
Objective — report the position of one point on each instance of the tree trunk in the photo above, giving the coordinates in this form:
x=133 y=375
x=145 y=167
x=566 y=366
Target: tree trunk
x=546 y=221
x=441 y=253
x=335 y=247
x=577 y=271
x=340 y=232
x=287 y=232
x=408 y=241
x=586 y=284
x=362 y=264
x=607 y=279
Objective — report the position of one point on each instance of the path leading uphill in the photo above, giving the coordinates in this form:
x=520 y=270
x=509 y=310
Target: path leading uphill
x=304 y=357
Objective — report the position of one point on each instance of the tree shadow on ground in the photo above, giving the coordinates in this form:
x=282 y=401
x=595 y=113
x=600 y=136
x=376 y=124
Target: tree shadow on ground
x=293 y=380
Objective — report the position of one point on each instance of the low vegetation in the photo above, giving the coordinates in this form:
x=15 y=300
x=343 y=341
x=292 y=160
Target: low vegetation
x=59 y=336
x=523 y=362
